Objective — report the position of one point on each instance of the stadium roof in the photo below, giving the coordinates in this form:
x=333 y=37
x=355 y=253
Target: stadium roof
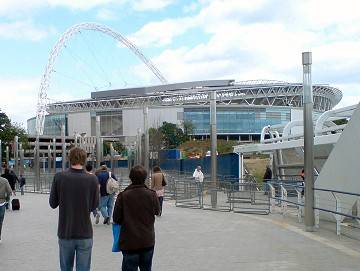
x=248 y=93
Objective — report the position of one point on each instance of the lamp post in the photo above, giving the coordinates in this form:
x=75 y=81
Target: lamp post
x=308 y=142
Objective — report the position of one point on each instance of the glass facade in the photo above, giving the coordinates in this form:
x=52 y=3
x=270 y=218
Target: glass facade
x=110 y=123
x=52 y=125
x=236 y=120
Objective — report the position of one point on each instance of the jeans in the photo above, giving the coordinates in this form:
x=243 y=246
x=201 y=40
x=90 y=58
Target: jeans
x=2 y=214
x=143 y=260
x=161 y=199
x=68 y=248
x=106 y=205
x=22 y=189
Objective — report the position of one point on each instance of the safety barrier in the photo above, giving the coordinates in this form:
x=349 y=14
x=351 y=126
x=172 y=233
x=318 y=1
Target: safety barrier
x=250 y=198
x=298 y=202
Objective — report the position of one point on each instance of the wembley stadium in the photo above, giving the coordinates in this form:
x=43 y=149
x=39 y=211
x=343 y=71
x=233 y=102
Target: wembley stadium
x=243 y=108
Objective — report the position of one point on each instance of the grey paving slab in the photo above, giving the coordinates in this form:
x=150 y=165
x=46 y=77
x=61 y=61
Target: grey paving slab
x=187 y=239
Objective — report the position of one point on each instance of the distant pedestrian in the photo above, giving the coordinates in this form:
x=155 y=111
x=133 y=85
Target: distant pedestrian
x=76 y=194
x=22 y=183
x=157 y=184
x=199 y=179
x=267 y=178
x=135 y=211
x=198 y=175
x=11 y=179
x=302 y=175
x=5 y=194
x=89 y=169
x=106 y=199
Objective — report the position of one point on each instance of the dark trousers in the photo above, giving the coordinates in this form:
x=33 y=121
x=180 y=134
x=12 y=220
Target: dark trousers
x=133 y=261
x=161 y=199
x=2 y=214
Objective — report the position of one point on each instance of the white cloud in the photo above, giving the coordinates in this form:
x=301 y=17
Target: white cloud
x=25 y=91
x=24 y=30
x=22 y=97
x=9 y=7
x=254 y=39
x=106 y=15
x=144 y=5
x=161 y=33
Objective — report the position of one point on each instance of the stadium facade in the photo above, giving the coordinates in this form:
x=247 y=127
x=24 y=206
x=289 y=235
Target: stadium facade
x=243 y=108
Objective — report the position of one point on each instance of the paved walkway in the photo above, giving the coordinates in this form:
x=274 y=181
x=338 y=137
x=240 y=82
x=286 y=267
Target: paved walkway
x=186 y=240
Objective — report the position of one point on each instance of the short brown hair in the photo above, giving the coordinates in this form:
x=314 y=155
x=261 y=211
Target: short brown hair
x=156 y=169
x=77 y=156
x=138 y=175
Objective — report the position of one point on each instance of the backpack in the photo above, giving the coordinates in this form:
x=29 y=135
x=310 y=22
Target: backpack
x=112 y=186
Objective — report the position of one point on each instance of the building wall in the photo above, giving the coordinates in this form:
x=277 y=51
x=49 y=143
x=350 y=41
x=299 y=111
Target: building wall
x=79 y=123
x=134 y=118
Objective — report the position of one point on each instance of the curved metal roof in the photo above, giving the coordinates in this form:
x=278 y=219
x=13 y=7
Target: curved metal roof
x=256 y=92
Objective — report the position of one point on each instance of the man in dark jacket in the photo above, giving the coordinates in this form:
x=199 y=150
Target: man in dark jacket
x=77 y=194
x=135 y=211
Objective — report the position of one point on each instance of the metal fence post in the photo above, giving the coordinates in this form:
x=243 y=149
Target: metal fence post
x=1 y=164
x=317 y=212
x=54 y=155
x=7 y=155
x=283 y=200
x=63 y=146
x=49 y=158
x=37 y=165
x=272 y=199
x=98 y=141
x=16 y=155
x=213 y=137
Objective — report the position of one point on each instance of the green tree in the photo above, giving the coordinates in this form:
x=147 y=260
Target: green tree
x=173 y=136
x=9 y=130
x=341 y=121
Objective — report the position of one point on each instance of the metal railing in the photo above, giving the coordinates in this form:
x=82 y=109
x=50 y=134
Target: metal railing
x=335 y=207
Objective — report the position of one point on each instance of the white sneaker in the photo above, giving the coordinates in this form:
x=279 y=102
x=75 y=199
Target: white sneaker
x=97 y=219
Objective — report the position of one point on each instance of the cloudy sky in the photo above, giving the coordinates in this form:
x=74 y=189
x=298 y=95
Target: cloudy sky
x=185 y=39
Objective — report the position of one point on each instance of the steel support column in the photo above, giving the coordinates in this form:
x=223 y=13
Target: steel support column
x=308 y=142
x=98 y=142
x=16 y=155
x=146 y=139
x=63 y=146
x=213 y=136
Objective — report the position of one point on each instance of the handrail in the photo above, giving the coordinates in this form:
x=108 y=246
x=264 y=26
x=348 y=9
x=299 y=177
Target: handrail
x=338 y=192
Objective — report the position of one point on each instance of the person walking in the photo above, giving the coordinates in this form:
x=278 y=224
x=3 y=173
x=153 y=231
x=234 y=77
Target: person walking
x=267 y=177
x=22 y=183
x=76 y=193
x=89 y=170
x=135 y=211
x=157 y=184
x=11 y=179
x=198 y=175
x=5 y=194
x=106 y=199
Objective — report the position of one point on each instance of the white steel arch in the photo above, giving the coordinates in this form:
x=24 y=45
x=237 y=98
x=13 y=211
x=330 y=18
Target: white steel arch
x=45 y=80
